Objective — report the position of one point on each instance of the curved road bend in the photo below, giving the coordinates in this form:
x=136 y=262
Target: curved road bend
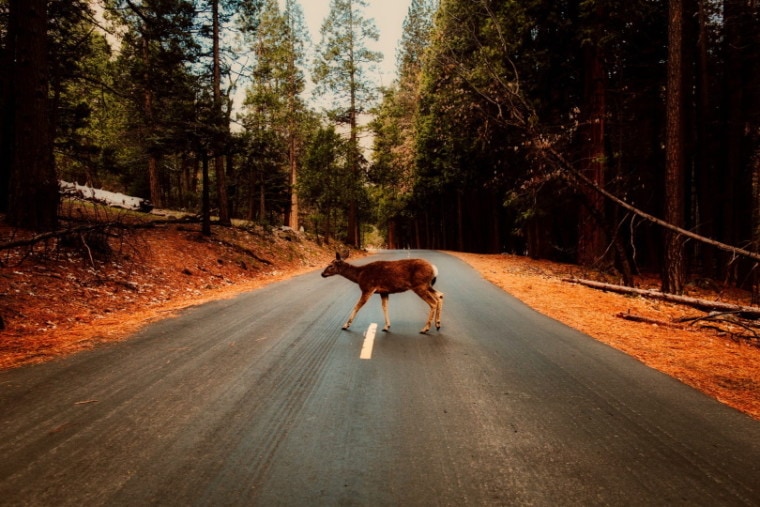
x=263 y=400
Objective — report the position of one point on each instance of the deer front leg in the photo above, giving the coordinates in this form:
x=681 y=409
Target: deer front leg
x=384 y=299
x=438 y=309
x=363 y=299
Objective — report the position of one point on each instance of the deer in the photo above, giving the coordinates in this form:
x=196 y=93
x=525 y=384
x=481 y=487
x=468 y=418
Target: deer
x=391 y=277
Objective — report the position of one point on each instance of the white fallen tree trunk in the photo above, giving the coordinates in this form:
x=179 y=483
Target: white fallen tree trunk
x=115 y=199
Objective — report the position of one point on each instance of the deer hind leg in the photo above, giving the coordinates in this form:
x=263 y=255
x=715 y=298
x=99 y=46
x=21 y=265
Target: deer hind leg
x=438 y=307
x=432 y=302
x=363 y=299
x=384 y=299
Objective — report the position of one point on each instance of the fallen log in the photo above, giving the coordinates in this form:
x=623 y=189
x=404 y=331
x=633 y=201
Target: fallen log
x=747 y=312
x=97 y=227
x=646 y=320
x=49 y=235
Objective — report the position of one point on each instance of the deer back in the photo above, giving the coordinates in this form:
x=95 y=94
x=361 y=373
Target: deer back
x=395 y=276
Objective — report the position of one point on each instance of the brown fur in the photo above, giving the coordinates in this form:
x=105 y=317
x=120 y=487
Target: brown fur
x=391 y=277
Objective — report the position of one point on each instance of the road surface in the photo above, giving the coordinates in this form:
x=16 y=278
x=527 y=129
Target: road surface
x=264 y=400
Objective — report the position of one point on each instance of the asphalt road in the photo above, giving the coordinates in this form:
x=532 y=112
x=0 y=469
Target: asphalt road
x=264 y=400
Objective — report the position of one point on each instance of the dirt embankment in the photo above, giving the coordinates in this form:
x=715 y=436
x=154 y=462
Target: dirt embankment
x=62 y=297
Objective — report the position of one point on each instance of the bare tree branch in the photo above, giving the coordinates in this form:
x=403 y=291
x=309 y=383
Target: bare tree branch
x=569 y=169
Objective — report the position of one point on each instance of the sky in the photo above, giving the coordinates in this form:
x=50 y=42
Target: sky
x=389 y=17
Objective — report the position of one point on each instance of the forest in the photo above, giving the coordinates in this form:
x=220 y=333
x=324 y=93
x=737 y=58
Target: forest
x=623 y=136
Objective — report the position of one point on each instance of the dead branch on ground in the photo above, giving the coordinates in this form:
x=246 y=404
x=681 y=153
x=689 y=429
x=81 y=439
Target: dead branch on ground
x=243 y=250
x=746 y=312
x=646 y=320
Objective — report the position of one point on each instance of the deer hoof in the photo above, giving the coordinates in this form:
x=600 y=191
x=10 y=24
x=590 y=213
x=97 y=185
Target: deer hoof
x=387 y=329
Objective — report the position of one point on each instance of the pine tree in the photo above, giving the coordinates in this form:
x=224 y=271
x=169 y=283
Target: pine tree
x=295 y=51
x=593 y=122
x=393 y=166
x=415 y=37
x=71 y=46
x=219 y=16
x=222 y=126
x=155 y=53
x=342 y=68
x=326 y=178
x=275 y=109
x=88 y=112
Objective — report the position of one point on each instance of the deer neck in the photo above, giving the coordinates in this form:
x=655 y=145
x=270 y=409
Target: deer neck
x=350 y=272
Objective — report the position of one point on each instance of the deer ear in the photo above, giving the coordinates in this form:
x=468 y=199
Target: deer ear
x=337 y=255
x=346 y=253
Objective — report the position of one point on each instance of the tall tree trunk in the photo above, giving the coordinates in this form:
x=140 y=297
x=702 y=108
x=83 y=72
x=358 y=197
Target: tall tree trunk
x=353 y=208
x=293 y=159
x=34 y=197
x=328 y=226
x=590 y=230
x=7 y=107
x=262 y=199
x=251 y=195
x=206 y=198
x=293 y=87
x=460 y=220
x=752 y=87
x=193 y=178
x=231 y=184
x=221 y=190
x=390 y=236
x=293 y=149
x=689 y=56
x=221 y=179
x=673 y=262
x=156 y=195
x=733 y=176
x=755 y=167
x=154 y=182
x=705 y=174
x=186 y=177
x=495 y=245
x=417 y=234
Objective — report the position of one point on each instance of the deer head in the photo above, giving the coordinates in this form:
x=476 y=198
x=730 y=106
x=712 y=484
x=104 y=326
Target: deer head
x=336 y=267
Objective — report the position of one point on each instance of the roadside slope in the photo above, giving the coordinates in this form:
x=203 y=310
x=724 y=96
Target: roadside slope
x=58 y=299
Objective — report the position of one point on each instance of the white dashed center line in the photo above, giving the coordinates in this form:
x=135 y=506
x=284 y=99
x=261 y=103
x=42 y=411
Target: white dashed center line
x=369 y=342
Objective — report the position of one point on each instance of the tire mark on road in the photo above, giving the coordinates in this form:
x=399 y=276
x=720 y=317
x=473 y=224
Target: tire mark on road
x=270 y=410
